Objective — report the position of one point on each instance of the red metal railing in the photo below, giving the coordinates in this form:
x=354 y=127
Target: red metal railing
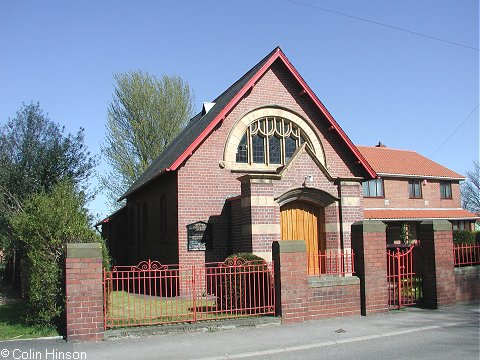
x=331 y=262
x=151 y=293
x=403 y=284
x=466 y=254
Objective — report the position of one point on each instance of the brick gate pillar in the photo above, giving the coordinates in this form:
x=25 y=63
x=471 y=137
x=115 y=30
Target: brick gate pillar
x=436 y=241
x=84 y=292
x=290 y=261
x=369 y=246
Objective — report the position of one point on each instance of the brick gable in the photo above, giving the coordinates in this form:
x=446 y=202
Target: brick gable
x=204 y=187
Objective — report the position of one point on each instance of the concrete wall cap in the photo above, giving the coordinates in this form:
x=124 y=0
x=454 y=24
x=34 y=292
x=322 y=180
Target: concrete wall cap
x=291 y=246
x=370 y=226
x=84 y=245
x=84 y=250
x=438 y=225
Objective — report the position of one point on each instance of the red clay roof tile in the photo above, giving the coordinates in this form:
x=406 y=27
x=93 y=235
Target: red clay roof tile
x=404 y=162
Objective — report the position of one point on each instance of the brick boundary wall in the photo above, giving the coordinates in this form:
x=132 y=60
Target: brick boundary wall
x=436 y=241
x=300 y=297
x=467 y=282
x=84 y=292
x=369 y=246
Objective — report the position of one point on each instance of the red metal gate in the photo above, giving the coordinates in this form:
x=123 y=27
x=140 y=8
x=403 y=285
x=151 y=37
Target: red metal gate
x=151 y=293
x=403 y=281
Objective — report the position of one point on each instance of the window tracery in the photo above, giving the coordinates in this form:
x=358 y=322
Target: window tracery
x=270 y=141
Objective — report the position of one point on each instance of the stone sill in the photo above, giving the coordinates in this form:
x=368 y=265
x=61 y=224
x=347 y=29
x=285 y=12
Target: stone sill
x=315 y=281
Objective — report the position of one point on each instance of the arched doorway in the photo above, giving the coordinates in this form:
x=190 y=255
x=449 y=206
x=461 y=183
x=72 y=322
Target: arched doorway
x=301 y=220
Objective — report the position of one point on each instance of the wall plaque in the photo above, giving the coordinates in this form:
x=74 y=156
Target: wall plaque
x=198 y=236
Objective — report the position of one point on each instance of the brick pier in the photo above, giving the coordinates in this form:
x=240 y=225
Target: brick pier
x=84 y=292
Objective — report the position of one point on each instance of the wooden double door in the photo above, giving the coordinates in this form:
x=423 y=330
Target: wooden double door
x=301 y=220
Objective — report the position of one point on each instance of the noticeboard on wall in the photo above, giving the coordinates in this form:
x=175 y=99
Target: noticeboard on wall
x=198 y=236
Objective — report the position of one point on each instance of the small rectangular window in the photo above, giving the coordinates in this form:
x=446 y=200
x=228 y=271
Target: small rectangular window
x=163 y=217
x=145 y=221
x=373 y=188
x=415 y=189
x=446 y=190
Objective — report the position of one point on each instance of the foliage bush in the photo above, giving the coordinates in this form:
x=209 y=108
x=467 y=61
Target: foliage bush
x=247 y=257
x=36 y=154
x=244 y=288
x=45 y=225
x=464 y=237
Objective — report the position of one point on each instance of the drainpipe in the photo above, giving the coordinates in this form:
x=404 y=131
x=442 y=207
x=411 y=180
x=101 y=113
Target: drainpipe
x=340 y=214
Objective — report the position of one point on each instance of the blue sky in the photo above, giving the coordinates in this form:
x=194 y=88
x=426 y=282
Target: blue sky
x=409 y=91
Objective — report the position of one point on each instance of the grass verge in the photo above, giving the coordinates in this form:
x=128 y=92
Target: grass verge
x=12 y=326
x=126 y=309
x=130 y=309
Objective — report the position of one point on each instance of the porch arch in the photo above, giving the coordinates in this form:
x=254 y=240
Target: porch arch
x=312 y=195
x=302 y=217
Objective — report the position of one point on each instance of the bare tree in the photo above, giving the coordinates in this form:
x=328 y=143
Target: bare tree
x=471 y=190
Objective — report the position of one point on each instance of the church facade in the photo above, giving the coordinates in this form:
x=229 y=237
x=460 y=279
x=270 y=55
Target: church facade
x=265 y=161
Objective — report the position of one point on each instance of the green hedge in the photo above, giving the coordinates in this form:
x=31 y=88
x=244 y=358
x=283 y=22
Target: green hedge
x=464 y=237
x=45 y=225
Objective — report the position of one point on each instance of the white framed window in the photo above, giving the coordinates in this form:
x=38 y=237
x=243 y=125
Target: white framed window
x=445 y=190
x=415 y=189
x=270 y=141
x=373 y=188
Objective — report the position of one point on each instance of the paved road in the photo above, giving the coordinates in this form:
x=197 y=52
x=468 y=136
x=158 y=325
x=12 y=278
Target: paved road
x=450 y=333
x=446 y=343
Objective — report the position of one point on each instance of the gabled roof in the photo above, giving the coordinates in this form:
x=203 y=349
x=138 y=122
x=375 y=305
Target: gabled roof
x=419 y=214
x=386 y=161
x=200 y=126
x=111 y=216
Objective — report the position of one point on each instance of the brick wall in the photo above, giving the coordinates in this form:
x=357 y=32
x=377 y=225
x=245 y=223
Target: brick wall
x=152 y=216
x=238 y=242
x=437 y=258
x=301 y=297
x=369 y=246
x=396 y=192
x=115 y=231
x=467 y=282
x=84 y=292
x=351 y=208
x=265 y=218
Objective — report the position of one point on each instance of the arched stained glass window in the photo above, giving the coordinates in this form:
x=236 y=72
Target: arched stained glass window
x=274 y=150
x=270 y=141
x=258 y=149
x=290 y=147
x=242 y=151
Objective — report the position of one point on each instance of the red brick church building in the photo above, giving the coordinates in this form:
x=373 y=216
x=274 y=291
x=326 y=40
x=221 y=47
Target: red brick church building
x=264 y=161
